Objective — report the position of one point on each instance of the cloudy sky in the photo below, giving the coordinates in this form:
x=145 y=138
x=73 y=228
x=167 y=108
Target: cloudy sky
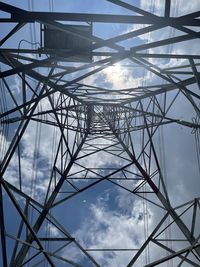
x=107 y=220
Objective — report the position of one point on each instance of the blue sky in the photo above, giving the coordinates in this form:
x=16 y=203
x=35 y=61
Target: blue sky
x=104 y=216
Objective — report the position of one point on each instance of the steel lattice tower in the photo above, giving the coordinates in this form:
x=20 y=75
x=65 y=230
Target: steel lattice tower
x=98 y=135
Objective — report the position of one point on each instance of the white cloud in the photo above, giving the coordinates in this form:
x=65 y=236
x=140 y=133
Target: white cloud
x=35 y=175
x=119 y=228
x=122 y=77
x=178 y=7
x=16 y=86
x=52 y=230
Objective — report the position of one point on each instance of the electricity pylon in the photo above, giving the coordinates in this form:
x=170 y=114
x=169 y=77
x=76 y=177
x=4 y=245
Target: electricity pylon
x=91 y=121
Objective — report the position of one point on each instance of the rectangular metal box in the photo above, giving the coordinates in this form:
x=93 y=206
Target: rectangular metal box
x=74 y=41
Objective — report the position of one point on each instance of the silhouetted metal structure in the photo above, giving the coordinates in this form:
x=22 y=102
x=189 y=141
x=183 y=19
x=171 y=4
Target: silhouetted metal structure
x=91 y=121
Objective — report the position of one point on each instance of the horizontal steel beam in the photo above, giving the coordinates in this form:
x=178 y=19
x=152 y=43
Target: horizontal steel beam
x=104 y=18
x=65 y=55
x=20 y=15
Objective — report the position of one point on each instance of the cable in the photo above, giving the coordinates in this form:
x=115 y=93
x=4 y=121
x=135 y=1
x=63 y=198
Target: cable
x=145 y=203
x=197 y=139
x=23 y=40
x=48 y=226
x=4 y=127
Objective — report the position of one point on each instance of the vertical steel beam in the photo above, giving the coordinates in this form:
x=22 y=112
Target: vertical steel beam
x=3 y=231
x=167 y=8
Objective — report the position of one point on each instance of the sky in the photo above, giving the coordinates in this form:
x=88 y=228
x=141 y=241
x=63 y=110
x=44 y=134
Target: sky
x=107 y=215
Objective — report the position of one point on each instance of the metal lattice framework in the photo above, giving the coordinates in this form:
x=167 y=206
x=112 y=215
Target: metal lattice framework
x=90 y=121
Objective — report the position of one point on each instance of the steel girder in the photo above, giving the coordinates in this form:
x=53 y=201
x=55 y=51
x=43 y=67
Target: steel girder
x=93 y=120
